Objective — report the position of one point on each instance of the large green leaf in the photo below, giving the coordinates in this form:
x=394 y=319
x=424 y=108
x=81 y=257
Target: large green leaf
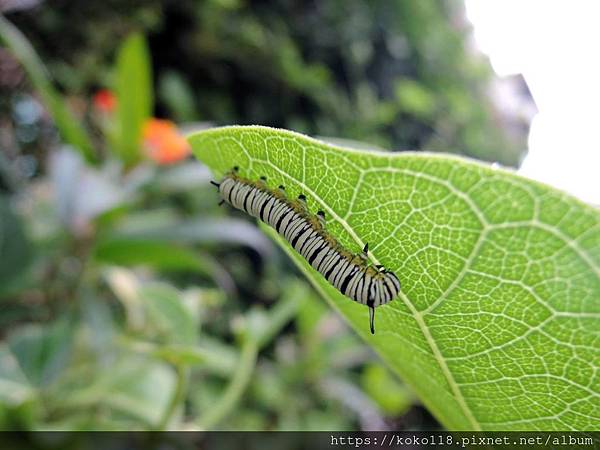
x=134 y=93
x=71 y=130
x=497 y=325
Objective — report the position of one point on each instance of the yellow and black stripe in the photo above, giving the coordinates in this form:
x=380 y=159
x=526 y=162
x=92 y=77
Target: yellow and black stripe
x=348 y=272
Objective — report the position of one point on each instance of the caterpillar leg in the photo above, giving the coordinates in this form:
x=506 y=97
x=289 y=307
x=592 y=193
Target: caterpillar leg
x=214 y=183
x=302 y=200
x=321 y=217
x=366 y=250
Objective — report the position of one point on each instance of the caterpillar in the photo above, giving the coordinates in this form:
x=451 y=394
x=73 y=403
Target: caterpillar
x=348 y=272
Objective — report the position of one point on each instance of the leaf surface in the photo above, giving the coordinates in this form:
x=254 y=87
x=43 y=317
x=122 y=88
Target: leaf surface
x=498 y=322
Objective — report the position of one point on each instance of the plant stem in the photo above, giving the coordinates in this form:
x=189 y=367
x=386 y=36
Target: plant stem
x=236 y=386
x=178 y=396
x=278 y=316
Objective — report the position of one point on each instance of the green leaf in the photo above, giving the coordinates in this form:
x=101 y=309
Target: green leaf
x=166 y=307
x=42 y=351
x=496 y=326
x=70 y=129
x=134 y=95
x=178 y=96
x=205 y=231
x=138 y=387
x=392 y=397
x=164 y=255
x=14 y=386
x=414 y=98
x=161 y=254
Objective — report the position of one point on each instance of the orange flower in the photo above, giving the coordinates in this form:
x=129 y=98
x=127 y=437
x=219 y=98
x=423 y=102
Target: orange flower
x=163 y=143
x=105 y=101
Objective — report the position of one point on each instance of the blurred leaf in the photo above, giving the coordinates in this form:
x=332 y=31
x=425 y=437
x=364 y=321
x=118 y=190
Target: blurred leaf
x=168 y=312
x=82 y=193
x=220 y=361
x=180 y=355
x=42 y=352
x=353 y=398
x=15 y=249
x=126 y=287
x=160 y=254
x=133 y=386
x=183 y=177
x=392 y=397
x=256 y=330
x=212 y=354
x=136 y=222
x=14 y=386
x=280 y=314
x=178 y=96
x=270 y=388
x=496 y=324
x=415 y=99
x=309 y=315
x=134 y=96
x=97 y=317
x=208 y=232
x=351 y=143
x=70 y=129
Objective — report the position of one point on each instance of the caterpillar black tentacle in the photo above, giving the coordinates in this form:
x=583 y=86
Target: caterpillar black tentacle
x=348 y=272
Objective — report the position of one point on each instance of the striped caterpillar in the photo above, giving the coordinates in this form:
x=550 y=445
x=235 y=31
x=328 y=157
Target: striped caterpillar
x=348 y=272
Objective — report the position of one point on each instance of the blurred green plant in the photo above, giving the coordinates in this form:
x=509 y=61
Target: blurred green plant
x=396 y=74
x=134 y=97
x=15 y=248
x=70 y=128
x=126 y=291
x=500 y=274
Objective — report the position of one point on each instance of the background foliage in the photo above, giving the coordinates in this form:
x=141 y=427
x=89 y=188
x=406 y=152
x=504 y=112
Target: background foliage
x=401 y=75
x=129 y=300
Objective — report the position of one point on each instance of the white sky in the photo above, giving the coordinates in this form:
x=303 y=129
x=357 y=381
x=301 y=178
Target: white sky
x=556 y=46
